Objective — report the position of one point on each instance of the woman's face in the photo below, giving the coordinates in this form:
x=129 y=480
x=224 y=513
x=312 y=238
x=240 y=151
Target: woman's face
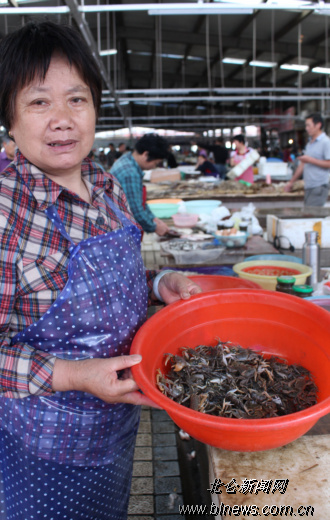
x=54 y=121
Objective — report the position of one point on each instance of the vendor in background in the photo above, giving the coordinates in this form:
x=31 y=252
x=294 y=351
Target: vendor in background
x=149 y=152
x=236 y=156
x=122 y=149
x=111 y=155
x=7 y=155
x=205 y=166
x=220 y=154
x=73 y=294
x=171 y=160
x=314 y=164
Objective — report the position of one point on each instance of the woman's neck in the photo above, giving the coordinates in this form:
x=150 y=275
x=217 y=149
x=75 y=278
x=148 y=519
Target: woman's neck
x=75 y=184
x=242 y=150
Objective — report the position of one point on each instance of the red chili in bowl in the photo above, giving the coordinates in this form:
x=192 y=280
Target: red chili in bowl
x=270 y=270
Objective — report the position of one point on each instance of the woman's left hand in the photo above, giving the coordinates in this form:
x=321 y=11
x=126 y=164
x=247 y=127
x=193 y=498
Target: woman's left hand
x=175 y=286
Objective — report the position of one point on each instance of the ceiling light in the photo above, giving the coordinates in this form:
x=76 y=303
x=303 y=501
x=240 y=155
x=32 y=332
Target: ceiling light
x=294 y=66
x=109 y=52
x=321 y=70
x=257 y=63
x=234 y=61
x=171 y=9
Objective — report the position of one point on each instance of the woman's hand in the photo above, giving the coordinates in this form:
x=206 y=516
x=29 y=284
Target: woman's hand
x=161 y=227
x=175 y=286
x=99 y=377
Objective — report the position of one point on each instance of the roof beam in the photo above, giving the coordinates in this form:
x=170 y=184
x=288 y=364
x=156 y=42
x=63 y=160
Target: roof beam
x=145 y=34
x=282 y=32
x=196 y=29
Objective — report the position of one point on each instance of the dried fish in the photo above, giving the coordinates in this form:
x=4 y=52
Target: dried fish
x=231 y=381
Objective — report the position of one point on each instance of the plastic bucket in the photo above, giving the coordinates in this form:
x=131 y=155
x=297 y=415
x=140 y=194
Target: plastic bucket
x=216 y=282
x=274 y=323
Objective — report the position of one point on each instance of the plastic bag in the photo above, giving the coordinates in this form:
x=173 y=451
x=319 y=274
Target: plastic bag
x=247 y=214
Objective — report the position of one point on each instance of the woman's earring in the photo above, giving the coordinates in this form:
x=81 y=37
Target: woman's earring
x=10 y=135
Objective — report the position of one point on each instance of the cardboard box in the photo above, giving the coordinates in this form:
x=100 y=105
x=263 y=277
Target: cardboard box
x=161 y=174
x=292 y=231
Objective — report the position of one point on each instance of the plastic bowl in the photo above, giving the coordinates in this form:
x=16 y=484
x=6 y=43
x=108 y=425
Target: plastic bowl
x=216 y=282
x=250 y=270
x=282 y=258
x=165 y=201
x=163 y=210
x=273 y=323
x=230 y=241
x=201 y=206
x=182 y=220
x=321 y=301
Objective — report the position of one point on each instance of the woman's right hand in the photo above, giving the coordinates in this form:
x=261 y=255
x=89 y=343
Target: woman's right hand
x=99 y=377
x=161 y=227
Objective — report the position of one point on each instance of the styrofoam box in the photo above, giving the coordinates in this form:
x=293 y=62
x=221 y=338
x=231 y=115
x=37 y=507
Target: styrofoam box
x=273 y=169
x=292 y=231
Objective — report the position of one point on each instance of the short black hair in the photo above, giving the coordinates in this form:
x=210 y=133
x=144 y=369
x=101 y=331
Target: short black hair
x=26 y=53
x=316 y=118
x=154 y=144
x=240 y=138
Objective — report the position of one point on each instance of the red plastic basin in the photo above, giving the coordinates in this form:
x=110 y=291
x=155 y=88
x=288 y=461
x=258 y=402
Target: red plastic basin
x=274 y=323
x=215 y=282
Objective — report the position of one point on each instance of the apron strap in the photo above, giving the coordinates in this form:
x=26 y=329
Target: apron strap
x=119 y=214
x=52 y=214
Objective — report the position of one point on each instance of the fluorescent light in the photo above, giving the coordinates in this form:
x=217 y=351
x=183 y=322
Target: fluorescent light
x=321 y=70
x=108 y=52
x=257 y=63
x=35 y=10
x=198 y=9
x=234 y=61
x=295 y=67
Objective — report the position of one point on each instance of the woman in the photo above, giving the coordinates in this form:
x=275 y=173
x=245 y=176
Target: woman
x=205 y=166
x=240 y=152
x=73 y=291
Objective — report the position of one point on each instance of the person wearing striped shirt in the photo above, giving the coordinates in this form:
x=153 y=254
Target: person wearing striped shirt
x=148 y=153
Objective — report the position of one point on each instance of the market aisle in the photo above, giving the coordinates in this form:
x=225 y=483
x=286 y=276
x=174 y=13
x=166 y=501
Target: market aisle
x=156 y=491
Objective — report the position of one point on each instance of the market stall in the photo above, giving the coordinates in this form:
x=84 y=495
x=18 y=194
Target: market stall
x=302 y=468
x=232 y=193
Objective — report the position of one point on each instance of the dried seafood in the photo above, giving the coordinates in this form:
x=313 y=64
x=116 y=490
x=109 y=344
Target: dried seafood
x=230 y=381
x=196 y=190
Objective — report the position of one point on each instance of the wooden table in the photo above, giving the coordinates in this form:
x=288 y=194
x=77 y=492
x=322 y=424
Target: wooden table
x=304 y=462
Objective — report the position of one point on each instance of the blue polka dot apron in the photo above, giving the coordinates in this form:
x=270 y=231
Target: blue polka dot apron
x=97 y=314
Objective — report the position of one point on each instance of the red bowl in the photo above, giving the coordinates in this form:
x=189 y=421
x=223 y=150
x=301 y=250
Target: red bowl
x=215 y=282
x=270 y=322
